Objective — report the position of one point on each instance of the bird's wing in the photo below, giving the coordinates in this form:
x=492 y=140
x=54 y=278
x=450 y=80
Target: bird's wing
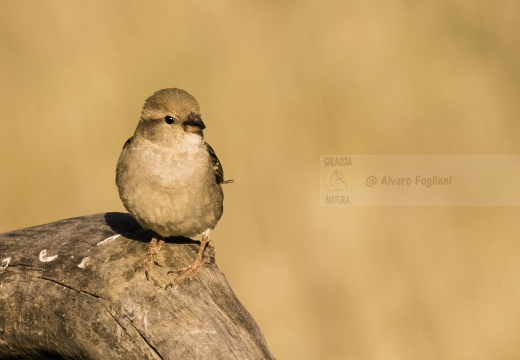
x=217 y=166
x=128 y=142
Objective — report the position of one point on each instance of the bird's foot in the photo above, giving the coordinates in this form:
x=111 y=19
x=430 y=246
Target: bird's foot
x=151 y=256
x=189 y=271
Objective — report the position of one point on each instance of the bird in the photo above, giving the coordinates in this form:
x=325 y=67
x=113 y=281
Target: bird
x=169 y=178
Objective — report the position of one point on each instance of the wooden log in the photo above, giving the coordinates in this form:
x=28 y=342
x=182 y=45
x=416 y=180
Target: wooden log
x=69 y=290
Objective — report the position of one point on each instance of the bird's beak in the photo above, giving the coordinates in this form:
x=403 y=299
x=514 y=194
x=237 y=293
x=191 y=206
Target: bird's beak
x=194 y=124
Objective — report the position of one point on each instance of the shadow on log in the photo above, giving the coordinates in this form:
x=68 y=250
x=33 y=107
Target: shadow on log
x=69 y=290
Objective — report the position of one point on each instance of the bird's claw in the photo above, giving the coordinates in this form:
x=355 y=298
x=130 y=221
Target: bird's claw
x=151 y=256
x=187 y=272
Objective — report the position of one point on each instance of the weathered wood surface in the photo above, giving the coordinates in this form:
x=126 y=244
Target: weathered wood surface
x=69 y=290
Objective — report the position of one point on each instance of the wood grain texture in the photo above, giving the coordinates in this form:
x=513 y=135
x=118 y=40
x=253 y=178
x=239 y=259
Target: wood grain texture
x=68 y=289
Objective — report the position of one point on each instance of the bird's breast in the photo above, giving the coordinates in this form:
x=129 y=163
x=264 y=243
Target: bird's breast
x=169 y=190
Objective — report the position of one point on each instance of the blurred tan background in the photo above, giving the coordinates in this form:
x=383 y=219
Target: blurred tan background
x=279 y=84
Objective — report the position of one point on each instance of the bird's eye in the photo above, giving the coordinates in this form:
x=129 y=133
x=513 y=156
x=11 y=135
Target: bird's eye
x=169 y=119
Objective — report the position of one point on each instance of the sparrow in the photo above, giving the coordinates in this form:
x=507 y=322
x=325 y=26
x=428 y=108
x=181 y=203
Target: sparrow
x=169 y=179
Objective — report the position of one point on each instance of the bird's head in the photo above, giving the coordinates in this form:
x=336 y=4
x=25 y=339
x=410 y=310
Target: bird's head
x=169 y=116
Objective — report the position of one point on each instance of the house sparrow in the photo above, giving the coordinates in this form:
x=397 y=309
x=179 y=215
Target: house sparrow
x=169 y=178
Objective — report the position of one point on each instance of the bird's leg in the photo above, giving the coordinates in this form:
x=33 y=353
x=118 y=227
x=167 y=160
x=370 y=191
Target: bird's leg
x=192 y=269
x=151 y=256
